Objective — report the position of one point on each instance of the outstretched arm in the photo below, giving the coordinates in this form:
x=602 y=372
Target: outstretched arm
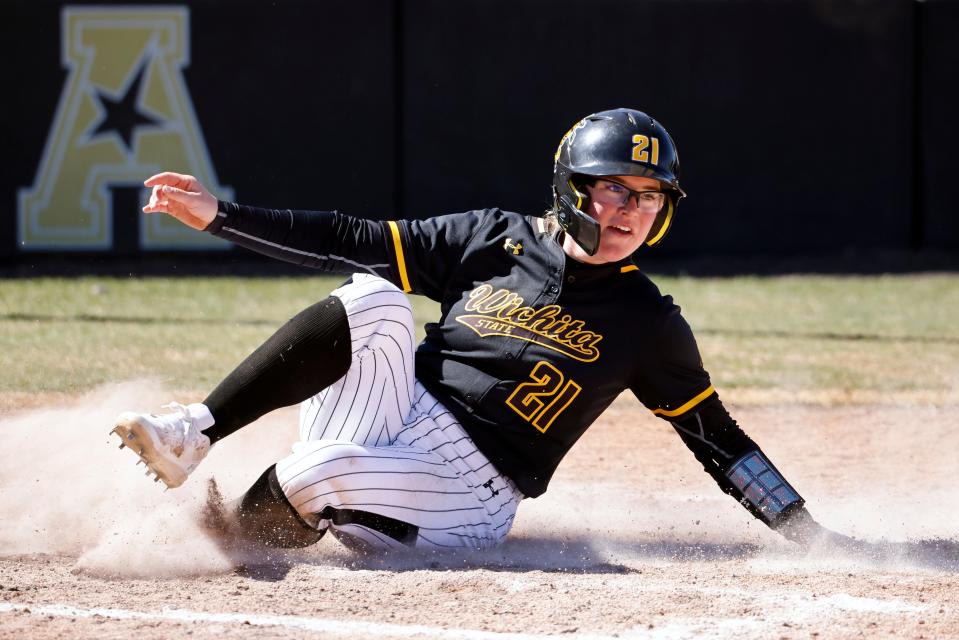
x=742 y=470
x=418 y=256
x=673 y=384
x=323 y=240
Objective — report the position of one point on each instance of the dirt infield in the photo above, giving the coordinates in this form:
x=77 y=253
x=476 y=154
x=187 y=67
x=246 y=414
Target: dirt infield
x=632 y=540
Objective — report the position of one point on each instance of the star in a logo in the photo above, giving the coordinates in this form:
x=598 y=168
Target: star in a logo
x=122 y=115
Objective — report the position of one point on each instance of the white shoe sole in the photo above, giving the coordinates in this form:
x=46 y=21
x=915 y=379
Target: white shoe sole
x=140 y=439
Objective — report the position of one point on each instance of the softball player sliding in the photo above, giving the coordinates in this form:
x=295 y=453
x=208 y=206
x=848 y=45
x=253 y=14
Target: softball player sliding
x=544 y=322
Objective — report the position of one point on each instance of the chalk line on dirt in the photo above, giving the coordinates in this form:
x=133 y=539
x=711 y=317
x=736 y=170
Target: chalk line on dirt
x=847 y=602
x=671 y=631
x=319 y=625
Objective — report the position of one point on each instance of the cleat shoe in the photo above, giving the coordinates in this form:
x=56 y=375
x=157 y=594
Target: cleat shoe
x=170 y=445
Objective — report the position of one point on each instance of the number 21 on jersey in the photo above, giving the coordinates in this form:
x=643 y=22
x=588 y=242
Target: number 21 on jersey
x=541 y=400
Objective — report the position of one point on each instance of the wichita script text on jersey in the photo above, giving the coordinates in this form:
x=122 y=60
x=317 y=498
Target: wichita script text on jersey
x=544 y=326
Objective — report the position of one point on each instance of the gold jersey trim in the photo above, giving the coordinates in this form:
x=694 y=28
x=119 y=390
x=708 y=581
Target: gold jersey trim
x=671 y=413
x=400 y=260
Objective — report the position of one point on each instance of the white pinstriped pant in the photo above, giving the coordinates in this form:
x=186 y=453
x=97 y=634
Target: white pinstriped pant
x=376 y=441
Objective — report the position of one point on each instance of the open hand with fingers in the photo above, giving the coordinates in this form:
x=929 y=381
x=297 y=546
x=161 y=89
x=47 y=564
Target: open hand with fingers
x=801 y=528
x=183 y=197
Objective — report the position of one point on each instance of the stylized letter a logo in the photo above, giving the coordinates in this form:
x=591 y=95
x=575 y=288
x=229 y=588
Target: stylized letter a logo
x=124 y=114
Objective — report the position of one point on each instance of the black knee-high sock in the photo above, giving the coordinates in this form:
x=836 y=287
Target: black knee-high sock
x=306 y=355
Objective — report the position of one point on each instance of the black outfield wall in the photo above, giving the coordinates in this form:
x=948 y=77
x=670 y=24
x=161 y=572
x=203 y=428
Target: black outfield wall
x=793 y=119
x=938 y=213
x=804 y=126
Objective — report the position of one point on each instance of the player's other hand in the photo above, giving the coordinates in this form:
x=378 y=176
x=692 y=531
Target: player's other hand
x=183 y=197
x=801 y=528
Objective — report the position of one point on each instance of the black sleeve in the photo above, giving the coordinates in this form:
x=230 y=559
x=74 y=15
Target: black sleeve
x=671 y=380
x=728 y=454
x=324 y=240
x=418 y=256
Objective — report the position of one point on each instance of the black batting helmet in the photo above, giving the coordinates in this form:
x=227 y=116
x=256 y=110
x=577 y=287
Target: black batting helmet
x=619 y=142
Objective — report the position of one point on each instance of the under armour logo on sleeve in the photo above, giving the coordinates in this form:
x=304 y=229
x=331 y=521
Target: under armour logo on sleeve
x=515 y=249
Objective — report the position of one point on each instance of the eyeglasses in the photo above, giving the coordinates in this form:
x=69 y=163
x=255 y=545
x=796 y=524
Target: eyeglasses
x=614 y=193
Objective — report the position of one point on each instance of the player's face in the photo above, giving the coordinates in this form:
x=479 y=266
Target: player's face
x=624 y=218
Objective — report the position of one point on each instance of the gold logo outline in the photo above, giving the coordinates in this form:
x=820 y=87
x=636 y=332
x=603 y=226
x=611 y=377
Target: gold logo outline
x=68 y=205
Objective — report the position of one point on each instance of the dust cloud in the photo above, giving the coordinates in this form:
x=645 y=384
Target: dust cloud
x=628 y=494
x=66 y=489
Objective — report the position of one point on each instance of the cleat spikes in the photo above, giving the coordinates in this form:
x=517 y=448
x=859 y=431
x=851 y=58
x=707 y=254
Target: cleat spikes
x=170 y=445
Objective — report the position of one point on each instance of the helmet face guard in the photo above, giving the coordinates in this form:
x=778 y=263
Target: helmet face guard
x=569 y=211
x=620 y=142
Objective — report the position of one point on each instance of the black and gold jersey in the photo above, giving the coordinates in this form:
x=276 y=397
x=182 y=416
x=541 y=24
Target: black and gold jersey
x=531 y=346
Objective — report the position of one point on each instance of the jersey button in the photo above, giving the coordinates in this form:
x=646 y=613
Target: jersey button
x=509 y=355
x=554 y=289
x=571 y=279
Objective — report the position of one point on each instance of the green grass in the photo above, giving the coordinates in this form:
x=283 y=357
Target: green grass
x=819 y=333
x=796 y=336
